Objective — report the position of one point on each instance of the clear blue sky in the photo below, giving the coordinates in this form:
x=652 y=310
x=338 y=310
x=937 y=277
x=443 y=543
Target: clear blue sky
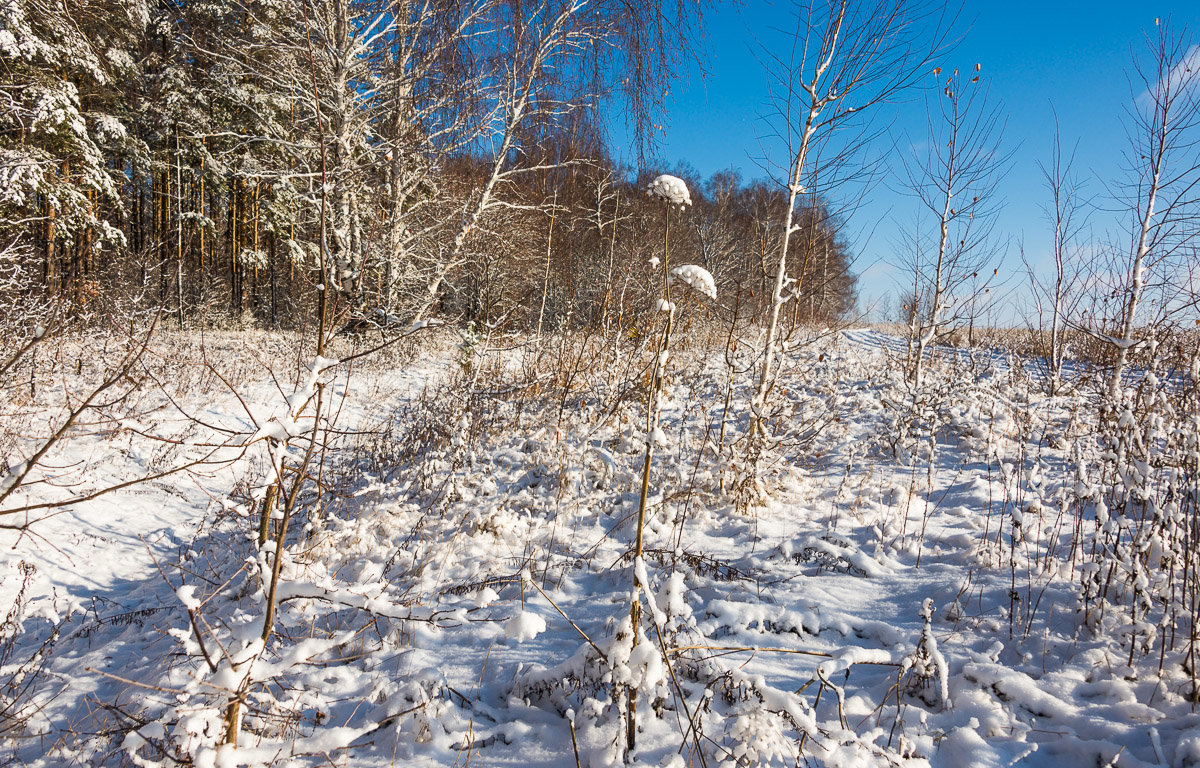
x=1076 y=56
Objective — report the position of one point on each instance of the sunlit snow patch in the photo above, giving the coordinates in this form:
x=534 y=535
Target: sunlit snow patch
x=525 y=626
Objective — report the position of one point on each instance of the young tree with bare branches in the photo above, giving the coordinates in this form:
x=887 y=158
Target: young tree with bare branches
x=1058 y=294
x=1162 y=196
x=954 y=181
x=847 y=59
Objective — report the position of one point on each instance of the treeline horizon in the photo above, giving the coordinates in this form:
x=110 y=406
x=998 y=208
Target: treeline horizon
x=225 y=162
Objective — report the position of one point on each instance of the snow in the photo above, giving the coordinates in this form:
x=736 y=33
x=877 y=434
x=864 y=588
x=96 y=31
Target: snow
x=697 y=278
x=671 y=189
x=526 y=625
x=464 y=586
x=279 y=428
x=187 y=596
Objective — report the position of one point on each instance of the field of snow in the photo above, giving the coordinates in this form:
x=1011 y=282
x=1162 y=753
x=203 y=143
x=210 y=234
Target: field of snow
x=456 y=582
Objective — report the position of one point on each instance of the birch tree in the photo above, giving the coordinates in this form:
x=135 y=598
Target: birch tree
x=1058 y=294
x=954 y=181
x=846 y=59
x=551 y=34
x=1162 y=196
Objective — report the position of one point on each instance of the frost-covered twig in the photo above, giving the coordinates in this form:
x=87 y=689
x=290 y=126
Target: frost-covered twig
x=17 y=473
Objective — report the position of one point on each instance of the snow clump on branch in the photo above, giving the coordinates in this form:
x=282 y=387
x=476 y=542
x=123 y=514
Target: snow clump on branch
x=697 y=278
x=672 y=189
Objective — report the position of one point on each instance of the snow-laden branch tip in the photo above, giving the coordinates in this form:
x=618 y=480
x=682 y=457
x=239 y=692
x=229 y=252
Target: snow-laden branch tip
x=281 y=428
x=697 y=278
x=671 y=189
x=427 y=323
x=847 y=657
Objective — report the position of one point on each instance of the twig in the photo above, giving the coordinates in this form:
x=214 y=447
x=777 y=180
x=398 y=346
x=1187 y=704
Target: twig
x=568 y=618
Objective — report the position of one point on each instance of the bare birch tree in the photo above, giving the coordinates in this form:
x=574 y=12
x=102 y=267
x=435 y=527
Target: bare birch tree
x=846 y=59
x=553 y=33
x=1163 y=195
x=1058 y=294
x=954 y=181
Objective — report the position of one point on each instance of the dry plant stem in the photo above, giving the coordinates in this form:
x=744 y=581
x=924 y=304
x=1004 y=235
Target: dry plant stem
x=574 y=626
x=612 y=255
x=264 y=523
x=691 y=729
x=574 y=743
x=652 y=403
x=546 y=286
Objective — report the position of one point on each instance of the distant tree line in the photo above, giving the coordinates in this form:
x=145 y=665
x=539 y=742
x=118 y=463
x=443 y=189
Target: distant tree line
x=238 y=160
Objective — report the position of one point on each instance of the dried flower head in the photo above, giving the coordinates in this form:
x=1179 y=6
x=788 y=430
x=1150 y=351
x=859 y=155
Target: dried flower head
x=672 y=189
x=697 y=278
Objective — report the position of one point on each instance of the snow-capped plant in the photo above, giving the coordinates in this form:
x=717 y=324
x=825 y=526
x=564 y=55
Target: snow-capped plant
x=697 y=278
x=927 y=662
x=670 y=189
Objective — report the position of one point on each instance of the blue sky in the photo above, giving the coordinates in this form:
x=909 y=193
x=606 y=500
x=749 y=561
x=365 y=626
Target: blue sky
x=1038 y=58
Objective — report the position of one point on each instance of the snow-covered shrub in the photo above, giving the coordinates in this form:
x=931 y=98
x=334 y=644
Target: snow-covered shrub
x=1139 y=489
x=468 y=349
x=927 y=664
x=758 y=736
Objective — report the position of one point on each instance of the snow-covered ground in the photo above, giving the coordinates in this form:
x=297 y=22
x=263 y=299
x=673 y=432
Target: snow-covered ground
x=908 y=592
